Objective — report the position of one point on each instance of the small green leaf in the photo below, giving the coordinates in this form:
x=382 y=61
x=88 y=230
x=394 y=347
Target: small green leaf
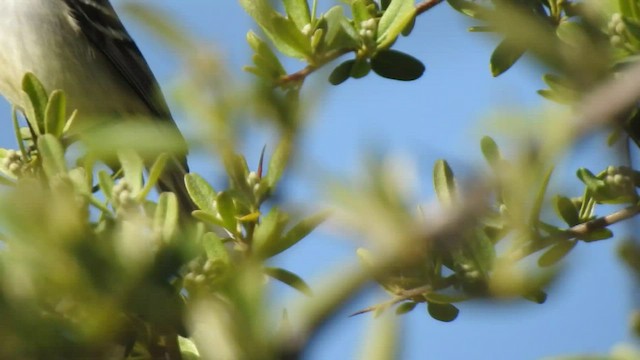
x=267 y=236
x=207 y=217
x=52 y=153
x=340 y=32
x=214 y=248
x=405 y=307
x=165 y=219
x=227 y=211
x=537 y=296
x=298 y=11
x=278 y=162
x=132 y=166
x=268 y=61
x=396 y=65
x=290 y=279
x=106 y=184
x=567 y=210
x=409 y=28
x=443 y=312
x=294 y=235
x=200 y=191
x=504 y=56
x=539 y=200
x=342 y=72
x=556 y=253
x=154 y=174
x=597 y=235
x=38 y=96
x=444 y=183
x=468 y=8
x=360 y=68
x=359 y=12
x=439 y=298
x=395 y=18
x=55 y=113
x=490 y=151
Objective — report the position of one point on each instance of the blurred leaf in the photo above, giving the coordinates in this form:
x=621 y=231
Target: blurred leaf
x=536 y=209
x=267 y=235
x=405 y=307
x=270 y=61
x=395 y=18
x=342 y=72
x=201 y=192
x=188 y=349
x=359 y=12
x=597 y=235
x=165 y=219
x=52 y=153
x=298 y=11
x=294 y=235
x=154 y=174
x=55 y=113
x=106 y=184
x=396 y=65
x=214 y=247
x=490 y=151
x=443 y=312
x=444 y=183
x=504 y=56
x=468 y=8
x=289 y=278
x=440 y=298
x=556 y=253
x=537 y=296
x=340 y=32
x=38 y=96
x=133 y=166
x=279 y=161
x=567 y=210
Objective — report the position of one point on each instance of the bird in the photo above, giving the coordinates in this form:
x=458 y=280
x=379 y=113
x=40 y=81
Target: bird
x=83 y=48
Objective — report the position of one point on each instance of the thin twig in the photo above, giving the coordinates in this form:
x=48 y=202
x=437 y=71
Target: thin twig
x=406 y=295
x=426 y=5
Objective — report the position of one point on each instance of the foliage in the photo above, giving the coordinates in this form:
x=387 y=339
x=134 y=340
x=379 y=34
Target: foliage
x=92 y=265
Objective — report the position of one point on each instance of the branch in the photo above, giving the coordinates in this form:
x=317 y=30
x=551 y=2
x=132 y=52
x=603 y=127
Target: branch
x=577 y=231
x=406 y=295
x=426 y=5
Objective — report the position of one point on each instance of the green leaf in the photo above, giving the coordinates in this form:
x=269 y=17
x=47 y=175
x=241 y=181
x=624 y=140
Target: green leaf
x=439 y=298
x=405 y=307
x=340 y=33
x=55 y=113
x=504 y=56
x=38 y=96
x=289 y=278
x=396 y=65
x=266 y=60
x=215 y=249
x=295 y=234
x=207 y=217
x=537 y=296
x=165 y=219
x=468 y=8
x=360 y=68
x=359 y=12
x=444 y=183
x=279 y=161
x=52 y=153
x=342 y=72
x=154 y=174
x=597 y=235
x=106 y=184
x=200 y=191
x=539 y=200
x=227 y=210
x=395 y=18
x=556 y=253
x=443 y=312
x=490 y=151
x=567 y=210
x=298 y=11
x=283 y=32
x=268 y=233
x=132 y=166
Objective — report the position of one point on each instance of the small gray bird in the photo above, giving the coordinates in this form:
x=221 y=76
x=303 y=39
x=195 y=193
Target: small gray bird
x=82 y=47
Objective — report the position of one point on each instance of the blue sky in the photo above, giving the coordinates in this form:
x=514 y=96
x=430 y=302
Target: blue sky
x=442 y=115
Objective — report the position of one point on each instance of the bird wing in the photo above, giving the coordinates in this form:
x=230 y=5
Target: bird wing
x=98 y=21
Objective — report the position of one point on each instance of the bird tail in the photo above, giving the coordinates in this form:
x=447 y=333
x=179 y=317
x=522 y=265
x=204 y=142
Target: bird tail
x=172 y=180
